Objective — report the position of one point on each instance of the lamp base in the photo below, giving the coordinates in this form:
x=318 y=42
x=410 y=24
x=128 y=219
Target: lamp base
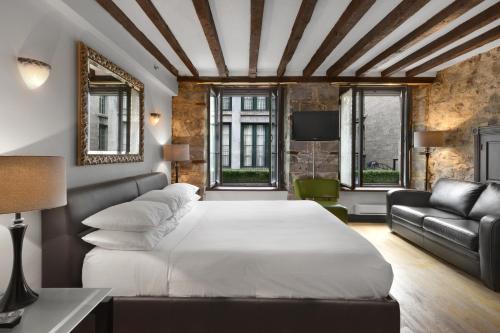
x=11 y=319
x=18 y=294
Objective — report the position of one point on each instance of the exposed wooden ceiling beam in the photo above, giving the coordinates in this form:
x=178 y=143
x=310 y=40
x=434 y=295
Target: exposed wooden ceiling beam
x=123 y=19
x=485 y=17
x=301 y=20
x=155 y=17
x=435 y=23
x=394 y=19
x=256 y=14
x=353 y=13
x=204 y=13
x=468 y=46
x=291 y=79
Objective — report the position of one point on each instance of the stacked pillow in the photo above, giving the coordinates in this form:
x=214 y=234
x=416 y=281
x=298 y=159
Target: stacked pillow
x=141 y=224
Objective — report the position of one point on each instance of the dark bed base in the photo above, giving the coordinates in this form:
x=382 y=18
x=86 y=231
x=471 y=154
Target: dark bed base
x=63 y=252
x=246 y=315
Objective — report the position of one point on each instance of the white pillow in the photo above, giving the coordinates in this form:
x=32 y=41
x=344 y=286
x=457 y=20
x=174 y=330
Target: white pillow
x=185 y=187
x=131 y=216
x=174 y=196
x=127 y=240
x=183 y=211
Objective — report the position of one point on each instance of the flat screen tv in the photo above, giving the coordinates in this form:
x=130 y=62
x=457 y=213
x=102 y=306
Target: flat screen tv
x=315 y=126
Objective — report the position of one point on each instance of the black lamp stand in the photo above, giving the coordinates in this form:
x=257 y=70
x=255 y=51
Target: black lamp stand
x=176 y=166
x=18 y=294
x=427 y=155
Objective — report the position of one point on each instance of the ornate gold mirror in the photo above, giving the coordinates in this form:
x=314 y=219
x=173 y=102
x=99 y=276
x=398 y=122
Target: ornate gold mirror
x=110 y=111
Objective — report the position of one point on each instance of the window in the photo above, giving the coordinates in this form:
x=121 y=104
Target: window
x=254 y=145
x=103 y=137
x=248 y=152
x=254 y=103
x=374 y=128
x=227 y=103
x=226 y=145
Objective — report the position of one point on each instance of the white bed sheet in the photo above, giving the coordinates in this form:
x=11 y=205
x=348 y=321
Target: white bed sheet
x=268 y=249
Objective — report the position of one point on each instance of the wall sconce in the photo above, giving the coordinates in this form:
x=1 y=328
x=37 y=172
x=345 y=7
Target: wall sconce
x=33 y=72
x=154 y=118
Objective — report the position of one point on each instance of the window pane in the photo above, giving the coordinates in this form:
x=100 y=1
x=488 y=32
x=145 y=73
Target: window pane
x=346 y=138
x=382 y=138
x=213 y=143
x=247 y=145
x=226 y=103
x=247 y=103
x=260 y=146
x=226 y=142
x=261 y=103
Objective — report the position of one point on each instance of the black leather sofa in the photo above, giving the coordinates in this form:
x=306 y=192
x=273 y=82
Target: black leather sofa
x=459 y=222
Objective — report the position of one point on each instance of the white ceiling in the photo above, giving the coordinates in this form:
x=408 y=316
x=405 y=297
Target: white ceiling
x=232 y=20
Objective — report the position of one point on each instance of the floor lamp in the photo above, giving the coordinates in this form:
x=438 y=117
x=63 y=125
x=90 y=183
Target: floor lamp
x=26 y=183
x=176 y=153
x=428 y=140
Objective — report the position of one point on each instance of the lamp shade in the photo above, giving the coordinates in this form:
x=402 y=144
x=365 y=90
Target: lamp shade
x=31 y=183
x=176 y=152
x=33 y=72
x=429 y=139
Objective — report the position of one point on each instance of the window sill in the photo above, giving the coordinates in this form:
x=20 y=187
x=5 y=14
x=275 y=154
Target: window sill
x=243 y=188
x=373 y=189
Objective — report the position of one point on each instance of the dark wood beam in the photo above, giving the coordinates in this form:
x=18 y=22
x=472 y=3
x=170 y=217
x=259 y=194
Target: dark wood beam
x=132 y=29
x=394 y=19
x=204 y=13
x=301 y=20
x=256 y=14
x=435 y=23
x=293 y=79
x=468 y=46
x=155 y=17
x=350 y=17
x=485 y=17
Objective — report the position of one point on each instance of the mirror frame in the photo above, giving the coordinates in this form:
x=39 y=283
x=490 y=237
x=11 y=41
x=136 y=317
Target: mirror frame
x=84 y=54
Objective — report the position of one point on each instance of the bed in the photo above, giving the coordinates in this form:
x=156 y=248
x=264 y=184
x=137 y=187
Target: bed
x=250 y=266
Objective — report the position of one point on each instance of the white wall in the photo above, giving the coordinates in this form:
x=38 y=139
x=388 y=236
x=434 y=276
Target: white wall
x=43 y=121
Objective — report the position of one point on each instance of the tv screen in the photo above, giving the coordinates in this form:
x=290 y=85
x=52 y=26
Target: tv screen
x=315 y=126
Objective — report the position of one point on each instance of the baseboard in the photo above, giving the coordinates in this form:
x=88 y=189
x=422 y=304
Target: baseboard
x=375 y=218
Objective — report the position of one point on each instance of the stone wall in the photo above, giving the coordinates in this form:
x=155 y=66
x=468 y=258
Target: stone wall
x=189 y=116
x=464 y=96
x=298 y=158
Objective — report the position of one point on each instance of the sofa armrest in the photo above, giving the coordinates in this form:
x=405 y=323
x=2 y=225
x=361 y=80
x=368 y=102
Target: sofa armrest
x=407 y=198
x=489 y=250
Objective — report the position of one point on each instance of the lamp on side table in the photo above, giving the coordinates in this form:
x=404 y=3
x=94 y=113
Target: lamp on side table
x=176 y=153
x=428 y=140
x=26 y=183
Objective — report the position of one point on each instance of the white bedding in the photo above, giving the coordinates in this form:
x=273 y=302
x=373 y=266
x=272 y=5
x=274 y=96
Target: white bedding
x=269 y=249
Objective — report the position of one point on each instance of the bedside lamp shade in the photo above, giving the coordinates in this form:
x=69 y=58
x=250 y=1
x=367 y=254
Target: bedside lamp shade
x=427 y=139
x=31 y=183
x=176 y=152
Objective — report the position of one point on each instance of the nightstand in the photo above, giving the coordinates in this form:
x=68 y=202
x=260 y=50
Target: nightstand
x=63 y=310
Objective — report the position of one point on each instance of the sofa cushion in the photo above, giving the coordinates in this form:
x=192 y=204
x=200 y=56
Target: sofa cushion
x=488 y=203
x=462 y=232
x=415 y=215
x=455 y=196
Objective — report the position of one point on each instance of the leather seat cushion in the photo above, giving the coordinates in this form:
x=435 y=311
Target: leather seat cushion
x=488 y=203
x=416 y=215
x=462 y=232
x=455 y=196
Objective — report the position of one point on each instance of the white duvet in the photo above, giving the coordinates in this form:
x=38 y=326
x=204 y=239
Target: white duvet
x=269 y=249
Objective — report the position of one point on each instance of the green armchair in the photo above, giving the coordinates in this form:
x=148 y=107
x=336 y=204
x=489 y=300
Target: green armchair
x=323 y=191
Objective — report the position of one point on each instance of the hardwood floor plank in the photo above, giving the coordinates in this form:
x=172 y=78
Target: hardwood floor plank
x=434 y=296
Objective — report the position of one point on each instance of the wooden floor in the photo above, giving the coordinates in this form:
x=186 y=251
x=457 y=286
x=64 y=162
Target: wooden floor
x=433 y=295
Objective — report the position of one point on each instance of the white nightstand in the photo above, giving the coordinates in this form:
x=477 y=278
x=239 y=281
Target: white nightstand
x=60 y=310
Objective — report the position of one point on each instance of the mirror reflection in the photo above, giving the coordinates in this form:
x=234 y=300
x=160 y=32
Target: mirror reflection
x=113 y=113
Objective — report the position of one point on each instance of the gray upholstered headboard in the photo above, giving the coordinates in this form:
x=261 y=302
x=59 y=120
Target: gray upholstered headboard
x=63 y=250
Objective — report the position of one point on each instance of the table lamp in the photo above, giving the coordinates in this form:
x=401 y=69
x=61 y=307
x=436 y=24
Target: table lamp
x=427 y=140
x=176 y=153
x=26 y=183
